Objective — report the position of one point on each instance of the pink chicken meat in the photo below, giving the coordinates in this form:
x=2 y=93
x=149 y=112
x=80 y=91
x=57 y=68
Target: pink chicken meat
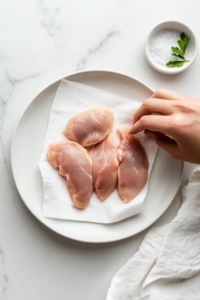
x=75 y=165
x=133 y=167
x=104 y=167
x=90 y=126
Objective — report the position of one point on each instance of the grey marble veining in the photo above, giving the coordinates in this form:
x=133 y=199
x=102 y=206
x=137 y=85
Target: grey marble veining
x=3 y=277
x=41 y=41
x=82 y=64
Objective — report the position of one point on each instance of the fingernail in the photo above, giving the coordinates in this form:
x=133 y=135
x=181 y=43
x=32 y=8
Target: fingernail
x=147 y=132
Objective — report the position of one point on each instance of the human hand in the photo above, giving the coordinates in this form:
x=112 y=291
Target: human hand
x=173 y=121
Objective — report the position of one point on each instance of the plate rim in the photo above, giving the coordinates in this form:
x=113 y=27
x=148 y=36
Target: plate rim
x=14 y=175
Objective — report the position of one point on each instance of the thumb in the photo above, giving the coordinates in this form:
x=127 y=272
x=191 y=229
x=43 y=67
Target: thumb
x=165 y=142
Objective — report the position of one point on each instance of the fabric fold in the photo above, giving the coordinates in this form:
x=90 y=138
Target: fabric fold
x=167 y=264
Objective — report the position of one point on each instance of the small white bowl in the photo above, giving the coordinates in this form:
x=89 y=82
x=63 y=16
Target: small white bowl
x=191 y=49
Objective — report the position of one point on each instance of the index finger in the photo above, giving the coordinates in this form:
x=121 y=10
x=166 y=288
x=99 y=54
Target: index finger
x=166 y=94
x=153 y=123
x=154 y=106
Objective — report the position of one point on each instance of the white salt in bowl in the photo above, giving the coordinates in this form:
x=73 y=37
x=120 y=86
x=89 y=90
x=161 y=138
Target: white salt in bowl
x=191 y=48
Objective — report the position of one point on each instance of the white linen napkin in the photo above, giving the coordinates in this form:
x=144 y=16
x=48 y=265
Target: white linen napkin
x=167 y=264
x=70 y=99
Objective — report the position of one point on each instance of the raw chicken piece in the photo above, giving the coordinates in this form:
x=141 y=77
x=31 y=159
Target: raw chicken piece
x=133 y=167
x=104 y=167
x=75 y=165
x=90 y=126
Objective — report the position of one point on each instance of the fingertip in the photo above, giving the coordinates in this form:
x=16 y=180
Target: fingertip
x=131 y=130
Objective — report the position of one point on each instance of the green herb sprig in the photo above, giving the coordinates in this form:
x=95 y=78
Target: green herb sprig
x=179 y=52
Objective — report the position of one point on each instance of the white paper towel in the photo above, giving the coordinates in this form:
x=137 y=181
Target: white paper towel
x=167 y=264
x=70 y=99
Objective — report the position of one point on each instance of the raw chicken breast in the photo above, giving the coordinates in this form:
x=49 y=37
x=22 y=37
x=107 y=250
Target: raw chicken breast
x=90 y=126
x=104 y=167
x=133 y=167
x=75 y=165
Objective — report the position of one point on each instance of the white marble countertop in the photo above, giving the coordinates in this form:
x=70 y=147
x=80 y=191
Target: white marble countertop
x=41 y=41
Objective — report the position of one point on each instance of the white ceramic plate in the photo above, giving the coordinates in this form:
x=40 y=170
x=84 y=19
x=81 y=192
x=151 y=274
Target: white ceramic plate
x=27 y=145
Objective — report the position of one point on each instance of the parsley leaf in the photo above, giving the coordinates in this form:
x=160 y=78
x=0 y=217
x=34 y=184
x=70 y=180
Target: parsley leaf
x=183 y=42
x=175 y=63
x=176 y=55
x=179 y=53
